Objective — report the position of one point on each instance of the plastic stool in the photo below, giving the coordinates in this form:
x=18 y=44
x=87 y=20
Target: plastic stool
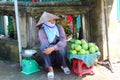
x=80 y=68
x=75 y=66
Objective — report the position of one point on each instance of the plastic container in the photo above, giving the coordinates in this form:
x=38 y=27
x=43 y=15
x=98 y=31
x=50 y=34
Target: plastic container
x=28 y=53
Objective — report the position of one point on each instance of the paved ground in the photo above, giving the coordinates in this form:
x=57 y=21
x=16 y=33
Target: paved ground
x=102 y=72
x=12 y=71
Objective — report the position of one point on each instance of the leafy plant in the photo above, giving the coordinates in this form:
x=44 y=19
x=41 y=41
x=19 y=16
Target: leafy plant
x=11 y=30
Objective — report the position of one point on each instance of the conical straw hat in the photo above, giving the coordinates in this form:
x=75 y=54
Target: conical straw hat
x=46 y=17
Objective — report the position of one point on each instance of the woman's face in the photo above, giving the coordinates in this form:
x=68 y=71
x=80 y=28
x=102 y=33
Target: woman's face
x=52 y=21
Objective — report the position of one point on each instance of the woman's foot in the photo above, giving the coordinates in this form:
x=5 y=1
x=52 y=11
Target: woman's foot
x=66 y=70
x=50 y=74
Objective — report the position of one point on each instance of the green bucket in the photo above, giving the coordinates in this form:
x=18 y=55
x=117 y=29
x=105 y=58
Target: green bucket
x=29 y=66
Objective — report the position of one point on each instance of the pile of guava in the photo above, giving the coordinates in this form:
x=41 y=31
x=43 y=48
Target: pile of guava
x=83 y=47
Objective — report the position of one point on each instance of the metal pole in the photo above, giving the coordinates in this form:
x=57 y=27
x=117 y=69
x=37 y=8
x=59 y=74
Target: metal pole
x=18 y=29
x=107 y=36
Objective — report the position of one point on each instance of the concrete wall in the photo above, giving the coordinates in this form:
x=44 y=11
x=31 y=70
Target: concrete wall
x=9 y=50
x=105 y=28
x=113 y=30
x=97 y=24
x=28 y=31
x=28 y=34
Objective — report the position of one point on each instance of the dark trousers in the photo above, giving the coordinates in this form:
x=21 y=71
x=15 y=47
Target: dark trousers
x=56 y=57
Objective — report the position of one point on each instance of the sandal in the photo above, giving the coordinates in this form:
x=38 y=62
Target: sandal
x=66 y=70
x=50 y=74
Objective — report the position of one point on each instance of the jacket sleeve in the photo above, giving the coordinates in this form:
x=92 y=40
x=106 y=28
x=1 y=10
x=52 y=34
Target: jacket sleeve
x=62 y=42
x=42 y=39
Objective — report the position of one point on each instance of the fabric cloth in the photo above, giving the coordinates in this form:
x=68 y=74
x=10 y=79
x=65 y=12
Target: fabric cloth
x=51 y=29
x=88 y=59
x=69 y=18
x=78 y=22
x=118 y=9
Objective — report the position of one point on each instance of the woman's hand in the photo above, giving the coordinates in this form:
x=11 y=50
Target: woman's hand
x=49 y=50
